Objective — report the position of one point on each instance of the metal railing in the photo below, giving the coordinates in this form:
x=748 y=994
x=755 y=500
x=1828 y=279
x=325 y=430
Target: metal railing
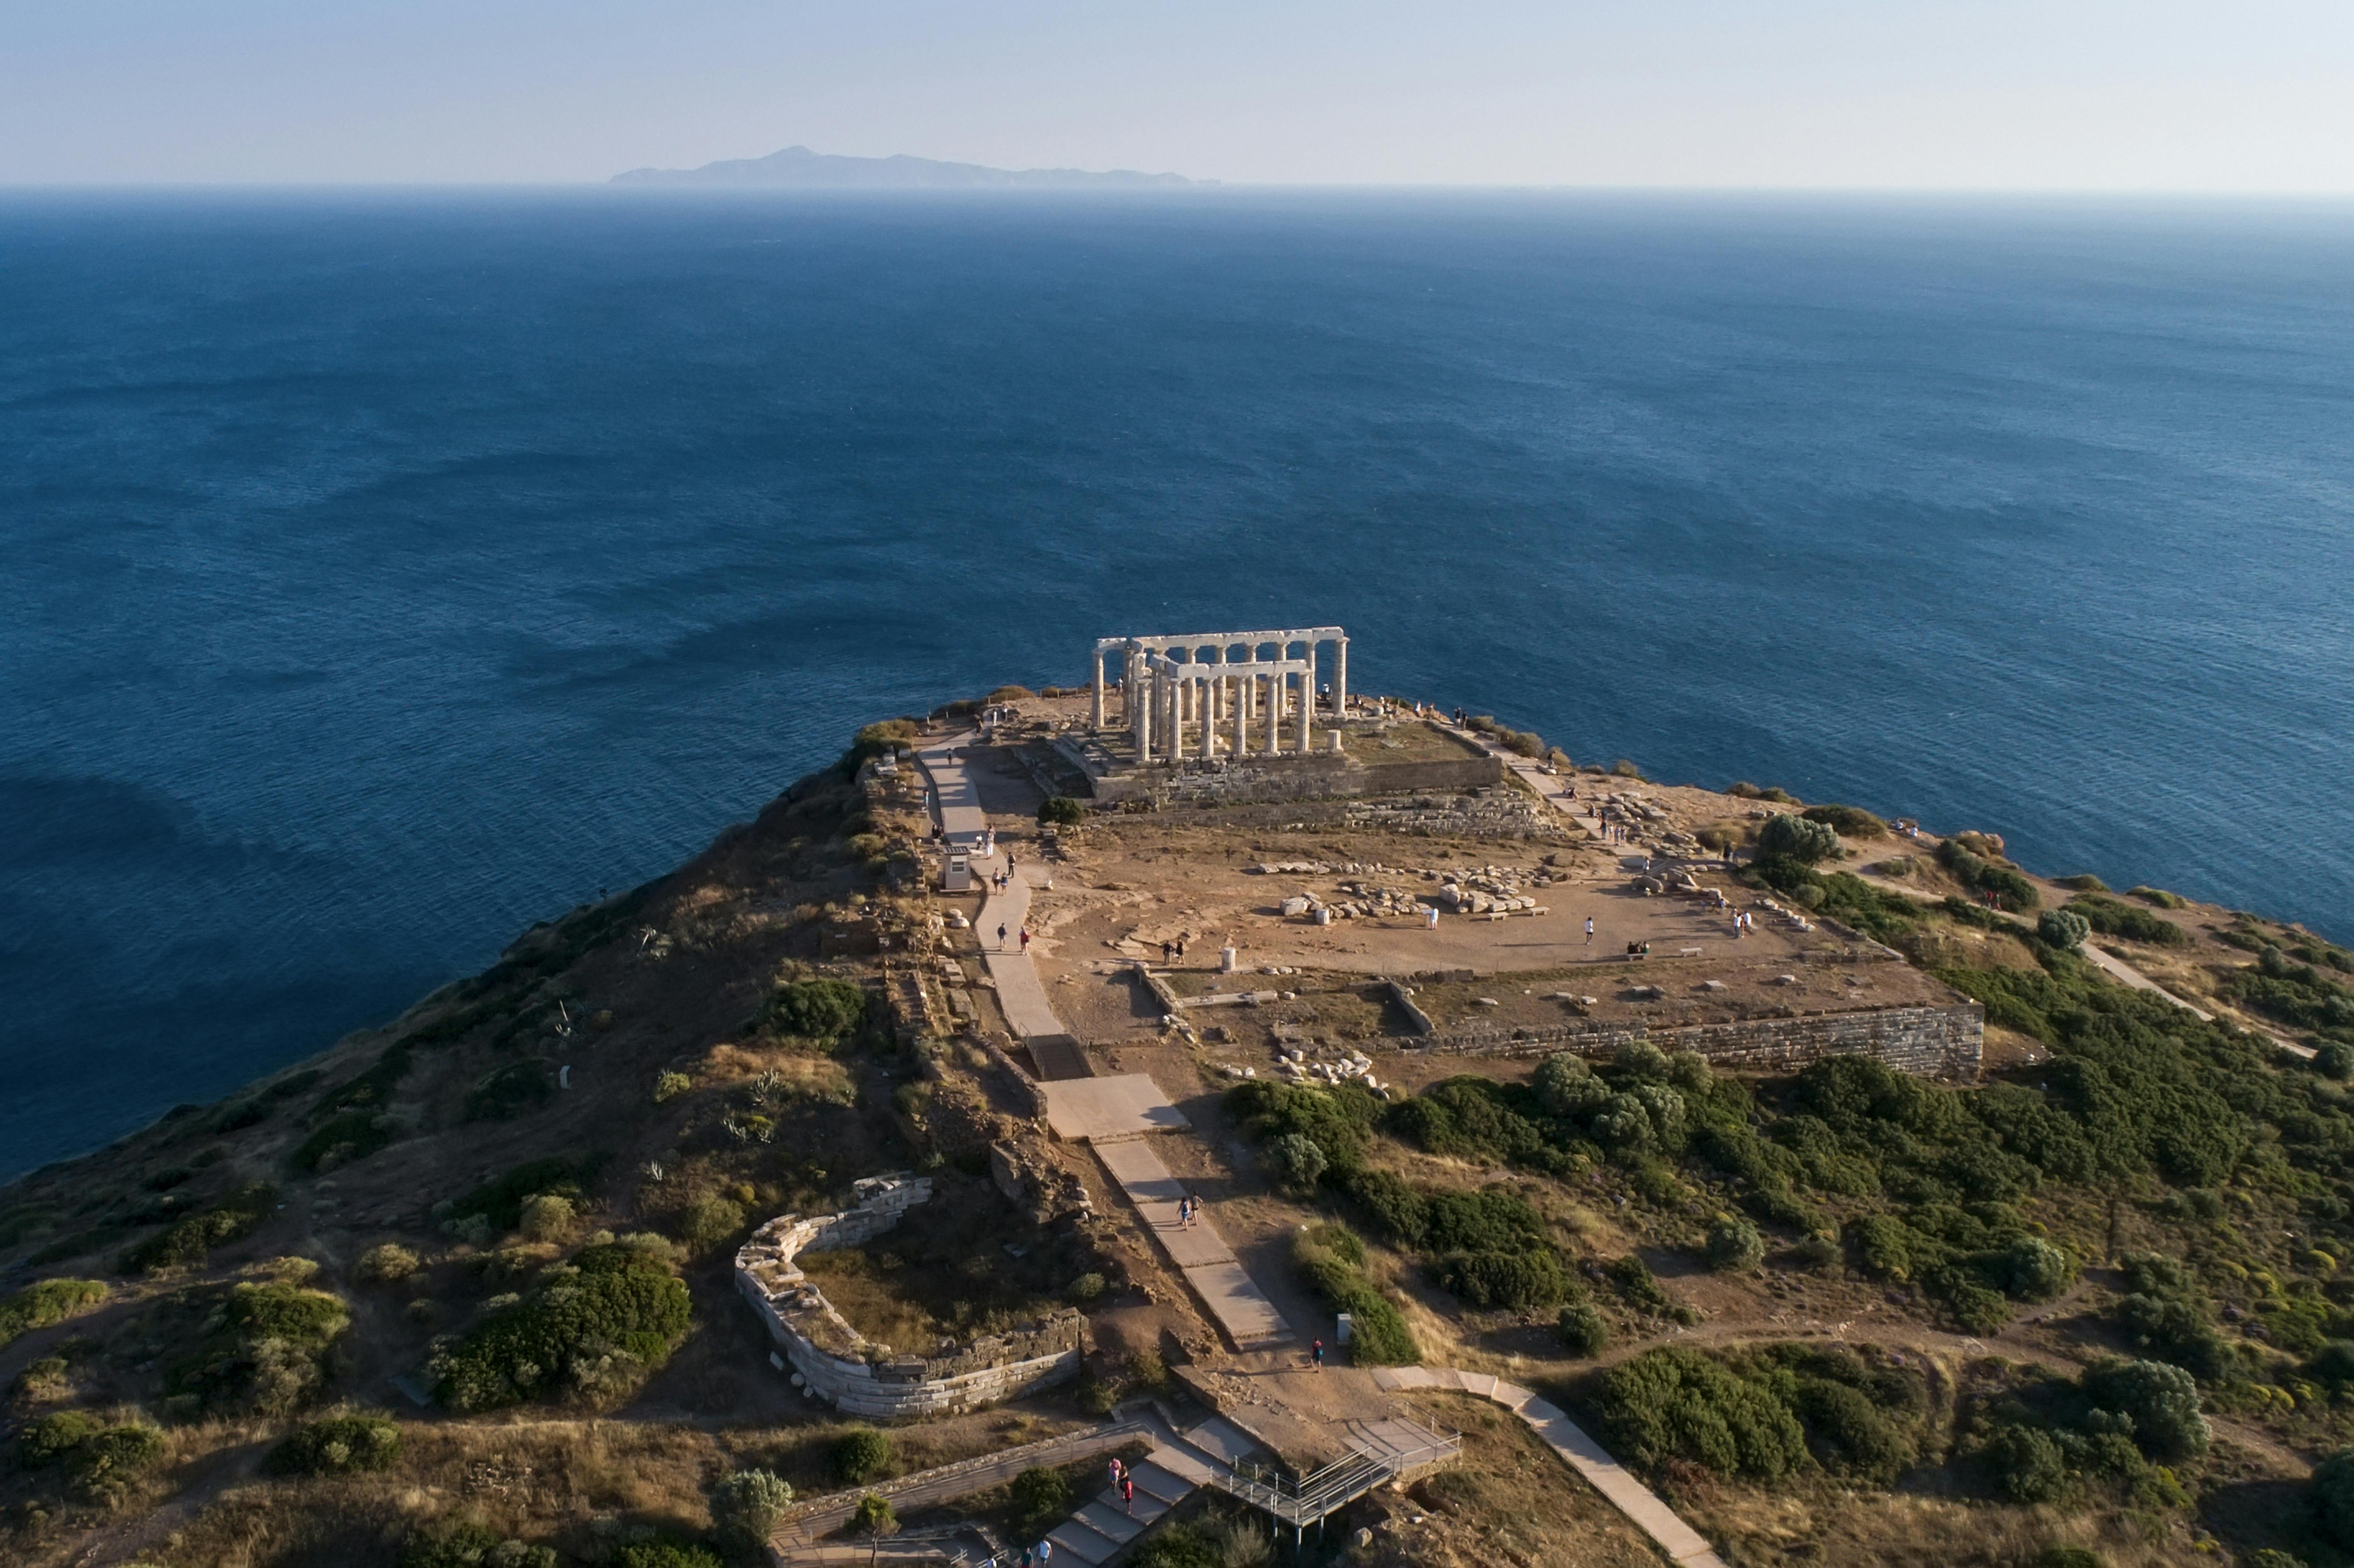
x=1307 y=1501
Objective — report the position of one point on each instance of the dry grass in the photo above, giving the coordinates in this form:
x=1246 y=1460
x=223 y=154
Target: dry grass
x=1829 y=1526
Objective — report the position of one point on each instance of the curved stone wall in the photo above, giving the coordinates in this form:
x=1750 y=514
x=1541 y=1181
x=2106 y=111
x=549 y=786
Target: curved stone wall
x=834 y=1362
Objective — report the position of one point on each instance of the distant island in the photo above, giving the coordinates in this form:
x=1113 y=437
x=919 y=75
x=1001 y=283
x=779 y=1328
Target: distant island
x=799 y=168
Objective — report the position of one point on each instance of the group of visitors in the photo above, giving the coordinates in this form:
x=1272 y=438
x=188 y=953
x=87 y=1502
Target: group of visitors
x=1189 y=1211
x=1174 y=952
x=1744 y=922
x=1000 y=937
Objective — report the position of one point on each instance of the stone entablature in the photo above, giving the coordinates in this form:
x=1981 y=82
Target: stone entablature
x=835 y=1363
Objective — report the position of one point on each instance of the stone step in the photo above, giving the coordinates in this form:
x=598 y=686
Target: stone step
x=1083 y=1542
x=1183 y=1465
x=1222 y=1440
x=1147 y=1508
x=1109 y=1519
x=1162 y=1485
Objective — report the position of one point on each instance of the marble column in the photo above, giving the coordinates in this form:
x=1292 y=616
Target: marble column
x=1242 y=726
x=1274 y=715
x=1176 y=716
x=1307 y=696
x=1206 y=703
x=1097 y=681
x=1339 y=679
x=1139 y=712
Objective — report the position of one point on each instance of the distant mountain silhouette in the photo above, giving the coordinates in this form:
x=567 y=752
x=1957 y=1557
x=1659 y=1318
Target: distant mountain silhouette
x=800 y=167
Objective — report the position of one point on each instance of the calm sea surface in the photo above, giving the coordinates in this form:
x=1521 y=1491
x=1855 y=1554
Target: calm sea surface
x=384 y=573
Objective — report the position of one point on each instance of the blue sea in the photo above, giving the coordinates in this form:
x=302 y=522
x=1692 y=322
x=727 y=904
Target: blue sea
x=384 y=572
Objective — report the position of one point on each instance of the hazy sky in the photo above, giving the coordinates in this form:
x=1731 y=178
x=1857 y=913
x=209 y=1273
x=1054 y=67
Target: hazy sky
x=2233 y=95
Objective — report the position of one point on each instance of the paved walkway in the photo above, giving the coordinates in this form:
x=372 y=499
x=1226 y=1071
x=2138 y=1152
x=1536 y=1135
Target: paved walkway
x=1639 y=1503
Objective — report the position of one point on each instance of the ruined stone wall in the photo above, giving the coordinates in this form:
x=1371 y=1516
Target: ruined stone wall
x=1291 y=776
x=1945 y=1042
x=832 y=1361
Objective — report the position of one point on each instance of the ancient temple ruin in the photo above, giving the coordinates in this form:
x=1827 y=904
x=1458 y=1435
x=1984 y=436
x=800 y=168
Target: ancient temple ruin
x=1208 y=695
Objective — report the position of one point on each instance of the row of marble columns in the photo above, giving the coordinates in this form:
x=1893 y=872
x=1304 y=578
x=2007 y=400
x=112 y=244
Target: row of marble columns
x=1235 y=707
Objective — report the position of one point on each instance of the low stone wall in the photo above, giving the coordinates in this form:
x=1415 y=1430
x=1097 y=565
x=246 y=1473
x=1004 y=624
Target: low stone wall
x=832 y=1361
x=1290 y=777
x=1947 y=1042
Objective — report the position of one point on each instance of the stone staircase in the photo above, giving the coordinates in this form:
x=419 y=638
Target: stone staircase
x=1059 y=1058
x=1178 y=1464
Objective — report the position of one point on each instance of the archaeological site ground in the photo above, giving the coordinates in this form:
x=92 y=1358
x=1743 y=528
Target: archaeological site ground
x=1205 y=1116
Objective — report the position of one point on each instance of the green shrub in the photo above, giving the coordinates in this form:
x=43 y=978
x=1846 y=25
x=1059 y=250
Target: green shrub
x=860 y=1455
x=1583 y=1330
x=1676 y=1404
x=509 y=1091
x=1178 y=1546
x=339 y=1446
x=589 y=1331
x=2010 y=892
x=2027 y=1464
x=192 y=1236
x=467 y=1545
x=2334 y=1061
x=1088 y=1287
x=1784 y=836
x=105 y=1466
x=710 y=1223
x=385 y=1264
x=670 y=1085
x=747 y=1504
x=2159 y=896
x=46 y=1303
x=1061 y=811
x=1338 y=1118
x=1734 y=1246
x=1520 y=1280
x=49 y=1439
x=1847 y=822
x=1850 y=1433
x=658 y=1555
x=2331 y=1495
x=2082 y=882
x=2033 y=1270
x=2113 y=918
x=339 y=1140
x=501 y=1200
x=2161 y=1402
x=1041 y=1497
x=1333 y=1255
x=819 y=1010
x=874 y=1516
x=1295 y=1161
x=264 y=1349
x=2074 y=1557
x=2063 y=929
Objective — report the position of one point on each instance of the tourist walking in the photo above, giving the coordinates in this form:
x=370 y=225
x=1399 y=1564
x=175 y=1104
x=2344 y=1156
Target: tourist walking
x=1000 y=935
x=1128 y=1491
x=1026 y=938
x=1589 y=930
x=1045 y=1552
x=1197 y=1209
x=1316 y=1354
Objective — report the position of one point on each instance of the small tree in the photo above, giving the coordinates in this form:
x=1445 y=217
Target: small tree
x=874 y=1516
x=386 y=1262
x=1734 y=1246
x=1786 y=836
x=2063 y=929
x=2161 y=1400
x=2035 y=1270
x=546 y=1216
x=1295 y=1161
x=748 y=1503
x=1583 y=1330
x=862 y=1454
x=1061 y=811
x=1040 y=1497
